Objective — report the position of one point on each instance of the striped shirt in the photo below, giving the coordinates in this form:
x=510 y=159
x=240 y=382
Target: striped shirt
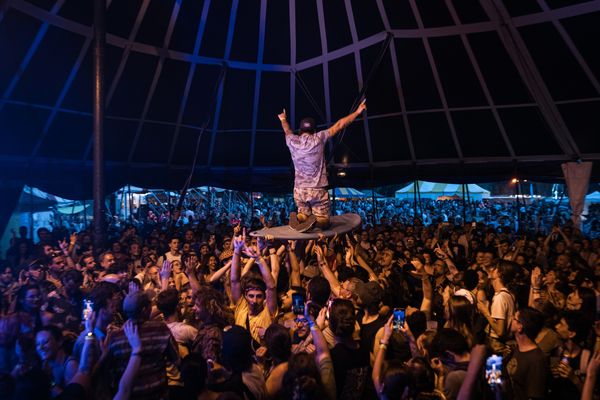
x=158 y=346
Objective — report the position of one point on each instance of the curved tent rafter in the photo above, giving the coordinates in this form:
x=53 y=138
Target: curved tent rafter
x=381 y=129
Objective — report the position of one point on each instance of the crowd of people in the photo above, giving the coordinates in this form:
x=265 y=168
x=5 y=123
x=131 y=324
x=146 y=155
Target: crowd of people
x=424 y=305
x=533 y=214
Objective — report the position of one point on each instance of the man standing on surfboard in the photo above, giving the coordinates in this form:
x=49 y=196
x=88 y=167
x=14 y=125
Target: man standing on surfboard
x=310 y=184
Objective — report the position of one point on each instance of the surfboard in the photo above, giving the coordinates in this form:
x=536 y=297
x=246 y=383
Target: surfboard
x=339 y=224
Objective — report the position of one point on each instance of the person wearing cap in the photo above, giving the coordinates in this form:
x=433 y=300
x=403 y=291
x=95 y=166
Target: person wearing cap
x=310 y=184
x=158 y=344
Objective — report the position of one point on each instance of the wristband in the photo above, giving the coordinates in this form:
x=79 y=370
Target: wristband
x=136 y=354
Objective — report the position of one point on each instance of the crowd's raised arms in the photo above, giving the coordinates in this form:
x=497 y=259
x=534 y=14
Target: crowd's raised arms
x=442 y=303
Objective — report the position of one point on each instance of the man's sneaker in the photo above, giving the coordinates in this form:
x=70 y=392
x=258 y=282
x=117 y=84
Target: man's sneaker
x=306 y=225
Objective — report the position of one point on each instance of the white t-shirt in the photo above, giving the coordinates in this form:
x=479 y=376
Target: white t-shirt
x=503 y=307
x=170 y=257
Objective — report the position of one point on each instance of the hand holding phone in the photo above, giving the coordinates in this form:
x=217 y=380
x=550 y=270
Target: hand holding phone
x=88 y=308
x=399 y=318
x=493 y=370
x=298 y=304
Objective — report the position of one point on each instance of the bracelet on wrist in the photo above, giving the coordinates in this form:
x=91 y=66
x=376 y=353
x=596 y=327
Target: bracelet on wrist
x=136 y=353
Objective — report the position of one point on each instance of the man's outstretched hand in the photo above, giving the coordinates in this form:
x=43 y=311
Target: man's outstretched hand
x=283 y=116
x=362 y=106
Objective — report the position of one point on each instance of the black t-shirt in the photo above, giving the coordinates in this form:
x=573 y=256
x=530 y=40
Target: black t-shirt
x=351 y=368
x=73 y=391
x=528 y=373
x=368 y=332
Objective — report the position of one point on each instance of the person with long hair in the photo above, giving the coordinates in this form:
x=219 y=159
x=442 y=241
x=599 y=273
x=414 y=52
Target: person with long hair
x=502 y=308
x=460 y=317
x=55 y=361
x=213 y=314
x=29 y=315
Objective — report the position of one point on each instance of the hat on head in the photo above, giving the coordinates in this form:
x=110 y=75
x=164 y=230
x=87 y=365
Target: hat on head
x=226 y=254
x=466 y=294
x=134 y=303
x=310 y=271
x=307 y=124
x=369 y=293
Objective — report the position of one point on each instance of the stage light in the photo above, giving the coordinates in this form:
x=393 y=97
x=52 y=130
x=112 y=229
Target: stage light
x=514 y=180
x=341 y=173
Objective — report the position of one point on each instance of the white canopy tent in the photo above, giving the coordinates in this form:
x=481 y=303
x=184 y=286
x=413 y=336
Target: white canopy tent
x=433 y=190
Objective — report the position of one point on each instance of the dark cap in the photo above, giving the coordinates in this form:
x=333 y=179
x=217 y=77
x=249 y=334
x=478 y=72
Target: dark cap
x=307 y=124
x=134 y=303
x=369 y=293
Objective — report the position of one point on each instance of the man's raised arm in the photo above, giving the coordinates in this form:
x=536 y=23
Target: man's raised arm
x=347 y=120
x=284 y=123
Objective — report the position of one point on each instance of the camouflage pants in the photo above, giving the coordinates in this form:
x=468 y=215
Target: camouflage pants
x=312 y=201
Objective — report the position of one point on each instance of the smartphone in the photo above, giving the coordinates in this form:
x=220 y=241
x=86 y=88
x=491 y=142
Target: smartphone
x=493 y=370
x=298 y=303
x=88 y=307
x=399 y=317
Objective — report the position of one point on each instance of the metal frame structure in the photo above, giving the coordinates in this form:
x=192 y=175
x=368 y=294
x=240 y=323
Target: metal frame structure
x=499 y=21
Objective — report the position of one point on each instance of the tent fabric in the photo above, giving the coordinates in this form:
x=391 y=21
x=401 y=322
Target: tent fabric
x=465 y=92
x=577 y=177
x=10 y=197
x=346 y=193
x=435 y=190
x=593 y=197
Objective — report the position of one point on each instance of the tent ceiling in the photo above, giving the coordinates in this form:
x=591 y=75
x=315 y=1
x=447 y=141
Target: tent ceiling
x=467 y=90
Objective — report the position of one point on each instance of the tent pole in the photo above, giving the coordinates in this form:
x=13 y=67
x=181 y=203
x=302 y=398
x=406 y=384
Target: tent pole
x=415 y=184
x=469 y=202
x=333 y=200
x=229 y=205
x=518 y=205
x=130 y=202
x=420 y=204
x=31 y=213
x=84 y=215
x=375 y=214
x=98 y=116
x=464 y=205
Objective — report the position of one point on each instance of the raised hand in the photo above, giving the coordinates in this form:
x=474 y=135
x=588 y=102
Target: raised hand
x=362 y=106
x=133 y=288
x=165 y=271
x=282 y=116
x=133 y=337
x=322 y=318
x=318 y=251
x=388 y=329
x=536 y=278
x=73 y=238
x=90 y=322
x=594 y=364
x=63 y=245
x=418 y=265
x=190 y=265
x=239 y=242
x=292 y=245
x=251 y=251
